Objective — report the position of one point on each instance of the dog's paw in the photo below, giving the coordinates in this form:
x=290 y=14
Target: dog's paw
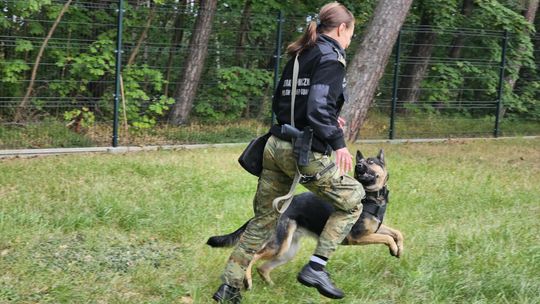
x=247 y=284
x=265 y=276
x=395 y=251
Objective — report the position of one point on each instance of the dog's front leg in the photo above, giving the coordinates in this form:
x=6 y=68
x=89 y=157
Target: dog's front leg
x=396 y=235
x=377 y=238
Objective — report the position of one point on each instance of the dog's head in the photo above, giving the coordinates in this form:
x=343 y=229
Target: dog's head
x=371 y=172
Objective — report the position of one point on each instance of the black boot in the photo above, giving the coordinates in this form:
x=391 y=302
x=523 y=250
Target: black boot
x=227 y=294
x=320 y=280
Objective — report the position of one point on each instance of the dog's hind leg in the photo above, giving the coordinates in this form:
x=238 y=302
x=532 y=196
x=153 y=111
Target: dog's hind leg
x=248 y=280
x=287 y=246
x=396 y=235
x=268 y=251
x=265 y=269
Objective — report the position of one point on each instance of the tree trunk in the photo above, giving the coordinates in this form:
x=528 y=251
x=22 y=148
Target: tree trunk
x=529 y=13
x=198 y=45
x=24 y=102
x=241 y=39
x=536 y=38
x=459 y=40
x=418 y=62
x=367 y=66
x=177 y=40
x=142 y=37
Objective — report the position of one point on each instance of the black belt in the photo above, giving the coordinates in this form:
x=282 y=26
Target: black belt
x=276 y=131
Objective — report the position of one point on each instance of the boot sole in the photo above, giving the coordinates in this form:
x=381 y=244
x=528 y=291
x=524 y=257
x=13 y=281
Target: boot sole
x=221 y=300
x=319 y=288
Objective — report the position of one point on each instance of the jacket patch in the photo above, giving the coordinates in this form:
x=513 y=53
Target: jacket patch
x=302 y=87
x=302 y=82
x=340 y=58
x=301 y=92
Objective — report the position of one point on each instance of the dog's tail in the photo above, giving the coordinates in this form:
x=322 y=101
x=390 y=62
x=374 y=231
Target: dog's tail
x=227 y=240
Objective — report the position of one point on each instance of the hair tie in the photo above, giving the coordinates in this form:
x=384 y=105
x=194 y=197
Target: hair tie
x=317 y=20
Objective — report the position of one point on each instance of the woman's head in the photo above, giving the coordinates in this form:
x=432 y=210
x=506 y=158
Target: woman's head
x=334 y=20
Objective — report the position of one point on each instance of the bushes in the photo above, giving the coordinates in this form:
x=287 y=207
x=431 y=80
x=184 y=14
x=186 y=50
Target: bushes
x=239 y=92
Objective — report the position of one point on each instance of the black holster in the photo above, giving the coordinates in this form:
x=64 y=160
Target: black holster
x=301 y=142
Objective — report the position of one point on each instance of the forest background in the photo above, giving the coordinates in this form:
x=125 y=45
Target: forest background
x=204 y=71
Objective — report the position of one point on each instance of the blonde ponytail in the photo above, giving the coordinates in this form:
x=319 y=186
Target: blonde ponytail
x=308 y=40
x=331 y=15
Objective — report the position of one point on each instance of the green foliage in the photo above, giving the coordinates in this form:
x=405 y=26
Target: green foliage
x=22 y=45
x=96 y=62
x=474 y=76
x=438 y=13
x=10 y=10
x=13 y=71
x=84 y=64
x=84 y=115
x=144 y=104
x=78 y=65
x=497 y=15
x=525 y=103
x=236 y=88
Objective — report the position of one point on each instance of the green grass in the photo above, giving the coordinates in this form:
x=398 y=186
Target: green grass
x=47 y=134
x=54 y=134
x=426 y=125
x=132 y=228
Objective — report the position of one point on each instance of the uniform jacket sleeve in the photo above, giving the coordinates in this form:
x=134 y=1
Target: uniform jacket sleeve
x=322 y=106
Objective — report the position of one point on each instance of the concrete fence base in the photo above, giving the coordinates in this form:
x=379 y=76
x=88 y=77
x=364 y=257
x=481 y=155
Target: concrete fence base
x=128 y=149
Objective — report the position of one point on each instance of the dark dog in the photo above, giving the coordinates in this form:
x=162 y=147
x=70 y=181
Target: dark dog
x=300 y=219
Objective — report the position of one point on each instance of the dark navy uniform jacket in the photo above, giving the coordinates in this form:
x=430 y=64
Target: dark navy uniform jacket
x=320 y=94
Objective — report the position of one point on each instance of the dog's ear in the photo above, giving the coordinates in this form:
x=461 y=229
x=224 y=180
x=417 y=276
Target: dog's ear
x=359 y=156
x=380 y=156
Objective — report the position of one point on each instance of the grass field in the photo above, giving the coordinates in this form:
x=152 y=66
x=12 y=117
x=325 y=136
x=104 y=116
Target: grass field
x=132 y=228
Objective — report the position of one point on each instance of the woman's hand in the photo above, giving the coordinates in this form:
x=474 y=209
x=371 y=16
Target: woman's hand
x=344 y=160
x=341 y=121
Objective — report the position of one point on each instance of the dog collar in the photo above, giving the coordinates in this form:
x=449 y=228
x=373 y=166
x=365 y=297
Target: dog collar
x=377 y=194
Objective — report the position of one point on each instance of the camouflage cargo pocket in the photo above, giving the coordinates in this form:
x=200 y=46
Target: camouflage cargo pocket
x=317 y=163
x=343 y=191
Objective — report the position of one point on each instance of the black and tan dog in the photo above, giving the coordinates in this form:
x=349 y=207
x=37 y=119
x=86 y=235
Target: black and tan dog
x=300 y=219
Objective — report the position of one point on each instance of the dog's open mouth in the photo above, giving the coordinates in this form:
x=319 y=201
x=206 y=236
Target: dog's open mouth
x=364 y=175
x=367 y=179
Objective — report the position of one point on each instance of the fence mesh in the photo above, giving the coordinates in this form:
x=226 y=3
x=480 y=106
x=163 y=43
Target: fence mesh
x=59 y=91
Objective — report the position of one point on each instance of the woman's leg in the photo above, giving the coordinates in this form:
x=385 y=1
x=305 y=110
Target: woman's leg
x=344 y=192
x=273 y=183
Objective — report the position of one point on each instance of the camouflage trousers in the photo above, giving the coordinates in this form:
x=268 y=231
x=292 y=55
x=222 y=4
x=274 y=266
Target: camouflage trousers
x=279 y=168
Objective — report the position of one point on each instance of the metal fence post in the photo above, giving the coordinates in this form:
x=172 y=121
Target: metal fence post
x=118 y=71
x=395 y=87
x=501 y=83
x=277 y=55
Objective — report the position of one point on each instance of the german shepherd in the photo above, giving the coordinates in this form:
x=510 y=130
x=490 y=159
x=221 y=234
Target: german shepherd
x=299 y=220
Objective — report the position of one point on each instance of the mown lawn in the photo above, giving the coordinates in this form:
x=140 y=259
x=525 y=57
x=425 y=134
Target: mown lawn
x=132 y=228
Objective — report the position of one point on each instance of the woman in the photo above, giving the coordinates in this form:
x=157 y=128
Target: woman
x=319 y=97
